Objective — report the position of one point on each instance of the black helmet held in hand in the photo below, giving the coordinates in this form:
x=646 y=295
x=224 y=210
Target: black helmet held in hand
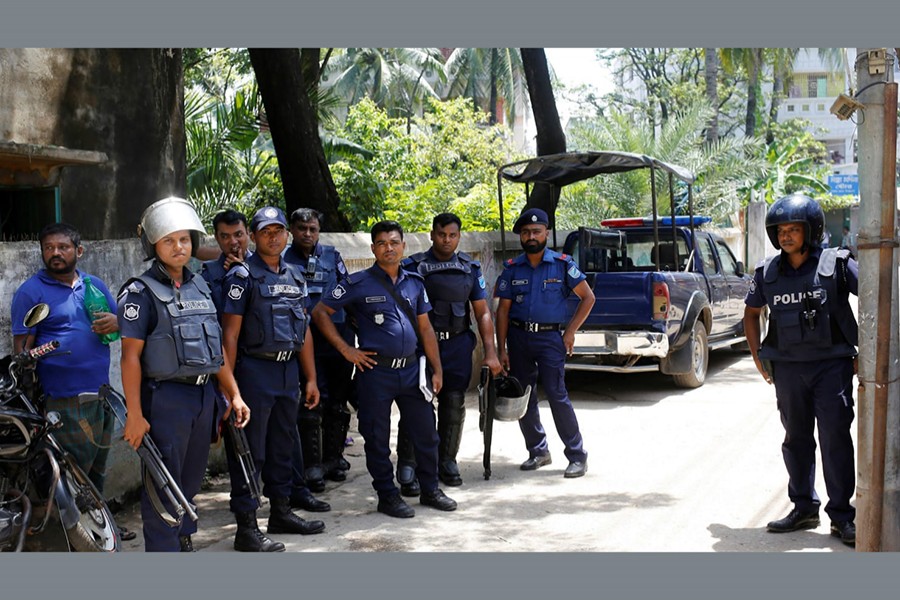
x=796 y=208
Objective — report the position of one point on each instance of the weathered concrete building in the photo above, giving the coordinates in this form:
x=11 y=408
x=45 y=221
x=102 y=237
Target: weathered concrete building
x=88 y=136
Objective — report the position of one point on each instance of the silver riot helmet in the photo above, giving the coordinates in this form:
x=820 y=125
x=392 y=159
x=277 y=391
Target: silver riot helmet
x=165 y=216
x=796 y=208
x=512 y=399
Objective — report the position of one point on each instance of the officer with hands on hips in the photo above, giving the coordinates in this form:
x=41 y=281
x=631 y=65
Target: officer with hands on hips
x=533 y=288
x=267 y=338
x=323 y=430
x=809 y=354
x=453 y=280
x=389 y=304
x=171 y=344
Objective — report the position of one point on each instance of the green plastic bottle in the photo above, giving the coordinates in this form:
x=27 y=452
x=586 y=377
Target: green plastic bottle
x=95 y=302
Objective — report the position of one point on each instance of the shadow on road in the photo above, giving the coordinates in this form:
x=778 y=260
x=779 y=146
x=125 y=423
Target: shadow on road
x=757 y=539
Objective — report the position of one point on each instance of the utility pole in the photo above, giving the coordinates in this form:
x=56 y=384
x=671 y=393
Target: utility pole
x=878 y=487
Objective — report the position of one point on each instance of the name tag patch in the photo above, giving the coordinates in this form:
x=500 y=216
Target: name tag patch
x=520 y=282
x=375 y=299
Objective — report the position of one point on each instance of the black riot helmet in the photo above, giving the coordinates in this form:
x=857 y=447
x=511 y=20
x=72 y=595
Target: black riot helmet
x=512 y=398
x=796 y=208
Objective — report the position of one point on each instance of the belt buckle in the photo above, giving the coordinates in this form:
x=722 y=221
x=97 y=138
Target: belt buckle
x=531 y=327
x=283 y=356
x=202 y=379
x=443 y=336
x=398 y=363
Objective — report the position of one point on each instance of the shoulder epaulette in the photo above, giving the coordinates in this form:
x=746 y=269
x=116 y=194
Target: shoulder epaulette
x=467 y=258
x=133 y=285
x=240 y=270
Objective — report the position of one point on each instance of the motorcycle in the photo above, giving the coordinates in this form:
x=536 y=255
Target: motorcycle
x=36 y=473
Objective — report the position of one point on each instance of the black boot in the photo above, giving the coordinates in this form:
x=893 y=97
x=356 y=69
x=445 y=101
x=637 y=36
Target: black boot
x=451 y=417
x=309 y=423
x=335 y=425
x=406 y=464
x=250 y=539
x=186 y=544
x=282 y=520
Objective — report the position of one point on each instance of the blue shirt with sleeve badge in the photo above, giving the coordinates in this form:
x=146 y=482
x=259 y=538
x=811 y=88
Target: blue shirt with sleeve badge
x=539 y=293
x=81 y=364
x=214 y=273
x=384 y=327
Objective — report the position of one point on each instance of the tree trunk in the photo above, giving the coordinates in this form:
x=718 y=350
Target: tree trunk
x=752 y=89
x=550 y=136
x=712 y=93
x=777 y=94
x=305 y=175
x=492 y=102
x=309 y=65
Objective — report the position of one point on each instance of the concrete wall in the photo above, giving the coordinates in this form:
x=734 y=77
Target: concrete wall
x=127 y=103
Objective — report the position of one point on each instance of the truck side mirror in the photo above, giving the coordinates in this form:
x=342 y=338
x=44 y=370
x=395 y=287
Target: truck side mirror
x=739 y=269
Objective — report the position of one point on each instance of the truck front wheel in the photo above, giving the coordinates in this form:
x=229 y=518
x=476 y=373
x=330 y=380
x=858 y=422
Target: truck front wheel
x=699 y=359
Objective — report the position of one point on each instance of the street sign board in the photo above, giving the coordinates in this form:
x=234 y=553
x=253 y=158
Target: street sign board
x=844 y=184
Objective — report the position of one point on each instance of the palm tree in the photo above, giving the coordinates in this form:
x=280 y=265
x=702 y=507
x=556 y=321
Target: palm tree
x=396 y=79
x=487 y=76
x=722 y=168
x=750 y=60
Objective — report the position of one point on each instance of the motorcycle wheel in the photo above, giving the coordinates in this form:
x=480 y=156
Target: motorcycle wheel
x=96 y=530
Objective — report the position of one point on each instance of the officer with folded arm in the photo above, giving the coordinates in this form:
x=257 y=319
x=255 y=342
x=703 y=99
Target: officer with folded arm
x=533 y=289
x=809 y=354
x=391 y=310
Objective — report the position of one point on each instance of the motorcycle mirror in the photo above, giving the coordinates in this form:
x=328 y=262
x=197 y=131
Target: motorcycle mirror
x=36 y=314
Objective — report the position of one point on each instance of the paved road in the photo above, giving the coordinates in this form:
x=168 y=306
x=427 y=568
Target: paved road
x=670 y=470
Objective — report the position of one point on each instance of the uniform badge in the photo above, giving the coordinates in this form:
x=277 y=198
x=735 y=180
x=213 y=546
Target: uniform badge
x=520 y=298
x=574 y=273
x=131 y=312
x=503 y=285
x=481 y=282
x=337 y=292
x=271 y=213
x=424 y=295
x=379 y=318
x=235 y=292
x=752 y=286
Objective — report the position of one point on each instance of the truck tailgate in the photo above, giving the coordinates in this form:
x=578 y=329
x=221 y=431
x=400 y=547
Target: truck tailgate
x=622 y=299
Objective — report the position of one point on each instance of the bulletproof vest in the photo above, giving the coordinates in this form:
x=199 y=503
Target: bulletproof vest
x=187 y=340
x=809 y=316
x=320 y=274
x=275 y=320
x=448 y=284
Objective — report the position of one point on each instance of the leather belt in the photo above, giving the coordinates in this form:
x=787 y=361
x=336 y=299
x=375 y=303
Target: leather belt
x=283 y=356
x=395 y=363
x=534 y=327
x=446 y=335
x=192 y=380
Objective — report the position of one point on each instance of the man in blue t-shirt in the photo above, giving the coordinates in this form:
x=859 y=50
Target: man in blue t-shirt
x=72 y=375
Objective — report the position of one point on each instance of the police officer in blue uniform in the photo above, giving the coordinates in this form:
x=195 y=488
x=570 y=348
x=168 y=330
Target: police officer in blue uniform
x=233 y=238
x=391 y=307
x=266 y=335
x=171 y=344
x=809 y=354
x=230 y=231
x=323 y=429
x=532 y=289
x=453 y=280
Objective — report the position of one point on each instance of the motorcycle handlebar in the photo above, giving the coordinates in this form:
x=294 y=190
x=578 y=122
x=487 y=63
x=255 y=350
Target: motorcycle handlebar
x=43 y=349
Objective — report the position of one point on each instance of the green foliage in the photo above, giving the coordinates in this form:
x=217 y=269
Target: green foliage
x=230 y=163
x=795 y=162
x=721 y=169
x=447 y=162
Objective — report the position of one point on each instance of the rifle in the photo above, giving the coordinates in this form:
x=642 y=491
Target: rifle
x=241 y=448
x=155 y=474
x=486 y=403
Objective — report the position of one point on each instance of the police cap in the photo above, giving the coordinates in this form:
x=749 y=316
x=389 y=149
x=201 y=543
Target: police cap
x=268 y=215
x=532 y=216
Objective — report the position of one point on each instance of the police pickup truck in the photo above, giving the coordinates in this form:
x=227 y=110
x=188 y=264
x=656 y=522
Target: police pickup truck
x=667 y=291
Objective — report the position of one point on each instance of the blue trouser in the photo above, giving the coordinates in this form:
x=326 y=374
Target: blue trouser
x=456 y=363
x=543 y=353
x=181 y=419
x=377 y=389
x=810 y=395
x=271 y=390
